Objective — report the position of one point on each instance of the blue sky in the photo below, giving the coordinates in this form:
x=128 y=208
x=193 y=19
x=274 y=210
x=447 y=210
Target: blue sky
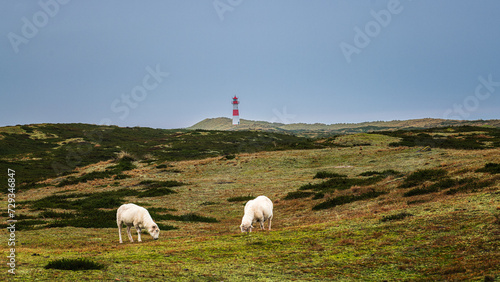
x=170 y=64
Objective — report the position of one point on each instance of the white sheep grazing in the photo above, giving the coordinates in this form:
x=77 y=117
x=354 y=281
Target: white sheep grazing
x=134 y=215
x=259 y=209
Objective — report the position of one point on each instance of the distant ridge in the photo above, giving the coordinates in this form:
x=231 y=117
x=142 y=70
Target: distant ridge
x=320 y=129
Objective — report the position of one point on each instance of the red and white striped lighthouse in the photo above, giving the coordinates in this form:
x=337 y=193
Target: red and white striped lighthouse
x=236 y=112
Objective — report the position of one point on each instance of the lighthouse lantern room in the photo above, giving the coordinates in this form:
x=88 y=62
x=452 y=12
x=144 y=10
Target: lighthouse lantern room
x=236 y=113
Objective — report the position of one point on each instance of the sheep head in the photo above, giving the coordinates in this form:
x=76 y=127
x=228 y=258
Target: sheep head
x=245 y=227
x=154 y=231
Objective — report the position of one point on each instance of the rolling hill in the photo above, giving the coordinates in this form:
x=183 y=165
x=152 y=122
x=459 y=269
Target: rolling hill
x=320 y=129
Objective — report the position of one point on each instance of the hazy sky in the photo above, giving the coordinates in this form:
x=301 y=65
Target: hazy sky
x=170 y=64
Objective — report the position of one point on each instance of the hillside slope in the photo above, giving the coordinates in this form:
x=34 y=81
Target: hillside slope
x=367 y=207
x=319 y=129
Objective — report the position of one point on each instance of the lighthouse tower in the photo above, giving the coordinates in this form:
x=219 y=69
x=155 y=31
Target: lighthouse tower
x=236 y=112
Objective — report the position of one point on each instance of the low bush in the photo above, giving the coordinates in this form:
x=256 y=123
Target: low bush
x=385 y=173
x=155 y=192
x=161 y=184
x=241 y=198
x=189 y=217
x=341 y=200
x=398 y=216
x=298 y=195
x=74 y=264
x=325 y=174
x=470 y=185
x=420 y=176
x=492 y=168
x=341 y=183
x=420 y=191
x=436 y=187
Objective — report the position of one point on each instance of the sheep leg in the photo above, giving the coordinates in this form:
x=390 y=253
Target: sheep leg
x=129 y=234
x=270 y=219
x=138 y=234
x=120 y=232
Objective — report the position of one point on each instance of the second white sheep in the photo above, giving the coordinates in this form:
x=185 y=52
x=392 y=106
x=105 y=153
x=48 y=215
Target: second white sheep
x=259 y=210
x=138 y=217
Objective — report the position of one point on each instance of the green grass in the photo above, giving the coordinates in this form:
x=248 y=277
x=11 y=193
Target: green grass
x=430 y=245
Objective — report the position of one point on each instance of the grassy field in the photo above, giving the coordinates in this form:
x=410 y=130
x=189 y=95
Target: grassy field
x=370 y=227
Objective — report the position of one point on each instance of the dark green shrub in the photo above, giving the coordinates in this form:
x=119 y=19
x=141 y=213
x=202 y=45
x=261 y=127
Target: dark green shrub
x=420 y=191
x=160 y=184
x=492 y=168
x=165 y=227
x=341 y=200
x=385 y=173
x=471 y=185
x=241 y=198
x=398 y=216
x=74 y=264
x=420 y=176
x=422 y=138
x=121 y=176
x=341 y=183
x=436 y=187
x=88 y=219
x=192 y=217
x=53 y=214
x=318 y=196
x=298 y=195
x=156 y=192
x=325 y=174
x=370 y=173
x=124 y=164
